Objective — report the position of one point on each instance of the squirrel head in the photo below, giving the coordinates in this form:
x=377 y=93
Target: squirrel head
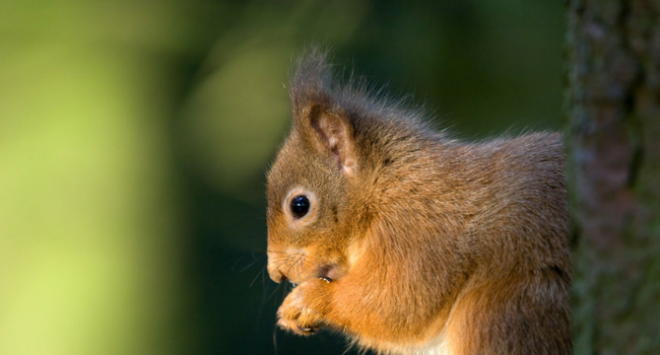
x=310 y=204
x=320 y=187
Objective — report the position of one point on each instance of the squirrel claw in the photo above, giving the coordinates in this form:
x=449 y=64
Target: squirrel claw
x=299 y=313
x=326 y=279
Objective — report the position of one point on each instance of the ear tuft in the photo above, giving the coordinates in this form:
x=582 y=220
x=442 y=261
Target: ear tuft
x=311 y=81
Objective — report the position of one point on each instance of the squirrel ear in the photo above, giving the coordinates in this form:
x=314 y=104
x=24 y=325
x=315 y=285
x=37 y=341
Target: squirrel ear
x=331 y=133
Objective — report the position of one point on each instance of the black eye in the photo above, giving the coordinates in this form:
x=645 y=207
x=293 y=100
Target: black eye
x=299 y=206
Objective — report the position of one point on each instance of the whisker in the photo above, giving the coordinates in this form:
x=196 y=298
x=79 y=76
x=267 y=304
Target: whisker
x=272 y=293
x=275 y=338
x=252 y=263
x=254 y=257
x=237 y=261
x=300 y=263
x=256 y=277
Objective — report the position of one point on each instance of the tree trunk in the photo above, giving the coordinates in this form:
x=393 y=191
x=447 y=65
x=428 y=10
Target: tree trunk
x=614 y=174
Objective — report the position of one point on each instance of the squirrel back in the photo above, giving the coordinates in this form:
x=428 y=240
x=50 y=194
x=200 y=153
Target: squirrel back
x=409 y=241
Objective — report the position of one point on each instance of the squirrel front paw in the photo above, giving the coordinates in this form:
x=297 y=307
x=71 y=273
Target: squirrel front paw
x=303 y=310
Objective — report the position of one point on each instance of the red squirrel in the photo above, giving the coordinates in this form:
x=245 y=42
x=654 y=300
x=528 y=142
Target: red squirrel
x=409 y=241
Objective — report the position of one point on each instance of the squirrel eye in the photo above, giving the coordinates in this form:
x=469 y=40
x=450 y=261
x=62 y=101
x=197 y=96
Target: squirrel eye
x=299 y=206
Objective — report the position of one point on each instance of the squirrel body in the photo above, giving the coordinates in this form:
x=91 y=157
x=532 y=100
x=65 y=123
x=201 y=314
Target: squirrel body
x=411 y=242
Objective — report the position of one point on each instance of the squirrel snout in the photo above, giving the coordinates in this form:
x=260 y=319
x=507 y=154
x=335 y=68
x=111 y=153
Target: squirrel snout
x=275 y=274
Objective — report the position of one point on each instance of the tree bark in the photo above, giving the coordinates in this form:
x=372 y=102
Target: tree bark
x=614 y=174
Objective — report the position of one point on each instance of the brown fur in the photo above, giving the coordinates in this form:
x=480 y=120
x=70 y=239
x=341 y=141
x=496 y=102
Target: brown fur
x=433 y=245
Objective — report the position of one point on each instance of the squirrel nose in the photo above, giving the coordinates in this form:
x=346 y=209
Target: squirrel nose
x=275 y=273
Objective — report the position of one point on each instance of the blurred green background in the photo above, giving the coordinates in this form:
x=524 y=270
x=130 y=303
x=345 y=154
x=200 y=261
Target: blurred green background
x=135 y=135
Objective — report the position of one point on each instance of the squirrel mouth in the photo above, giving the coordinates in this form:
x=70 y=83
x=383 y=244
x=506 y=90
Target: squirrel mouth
x=328 y=273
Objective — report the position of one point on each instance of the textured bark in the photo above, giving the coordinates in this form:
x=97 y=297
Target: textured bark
x=614 y=173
